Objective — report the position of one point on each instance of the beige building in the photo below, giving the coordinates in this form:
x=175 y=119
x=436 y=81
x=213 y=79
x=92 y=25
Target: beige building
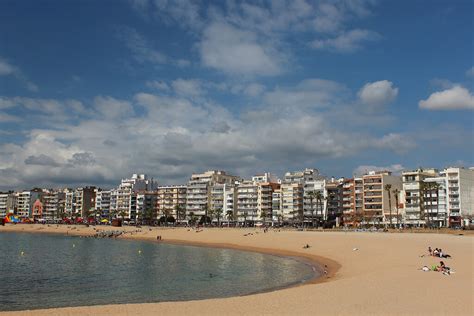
x=377 y=205
x=170 y=198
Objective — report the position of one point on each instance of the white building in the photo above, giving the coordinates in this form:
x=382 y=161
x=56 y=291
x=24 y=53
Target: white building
x=460 y=194
x=103 y=202
x=435 y=202
x=412 y=182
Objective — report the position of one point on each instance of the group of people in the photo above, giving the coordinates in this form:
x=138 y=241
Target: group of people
x=441 y=267
x=438 y=253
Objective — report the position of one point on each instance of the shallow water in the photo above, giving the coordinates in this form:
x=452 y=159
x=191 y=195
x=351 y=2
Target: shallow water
x=45 y=271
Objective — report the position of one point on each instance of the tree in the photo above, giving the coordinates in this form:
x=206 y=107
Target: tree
x=166 y=214
x=396 y=193
x=149 y=215
x=122 y=214
x=205 y=208
x=312 y=196
x=436 y=188
x=192 y=218
x=319 y=201
x=427 y=190
x=180 y=212
x=245 y=218
x=218 y=214
x=229 y=215
x=387 y=188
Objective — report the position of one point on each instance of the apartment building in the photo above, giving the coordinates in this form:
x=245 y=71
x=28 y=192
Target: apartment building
x=83 y=201
x=103 y=202
x=7 y=203
x=53 y=204
x=314 y=200
x=147 y=206
x=265 y=200
x=413 y=211
x=334 y=209
x=25 y=200
x=198 y=195
x=124 y=198
x=292 y=201
x=377 y=206
x=277 y=213
x=171 y=198
x=460 y=195
x=247 y=202
x=434 y=198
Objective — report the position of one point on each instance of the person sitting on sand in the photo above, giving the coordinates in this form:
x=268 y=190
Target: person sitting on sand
x=435 y=252
x=443 y=255
x=306 y=247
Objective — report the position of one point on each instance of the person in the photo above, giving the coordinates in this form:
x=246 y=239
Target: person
x=436 y=252
x=306 y=247
x=430 y=251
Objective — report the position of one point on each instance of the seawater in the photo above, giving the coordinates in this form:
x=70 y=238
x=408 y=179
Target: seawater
x=47 y=271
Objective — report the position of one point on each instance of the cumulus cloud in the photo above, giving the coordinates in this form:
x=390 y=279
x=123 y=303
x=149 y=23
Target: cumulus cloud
x=234 y=51
x=455 y=98
x=158 y=85
x=346 y=42
x=188 y=87
x=171 y=136
x=378 y=94
x=6 y=68
x=365 y=169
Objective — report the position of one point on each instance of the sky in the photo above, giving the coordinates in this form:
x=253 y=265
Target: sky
x=93 y=91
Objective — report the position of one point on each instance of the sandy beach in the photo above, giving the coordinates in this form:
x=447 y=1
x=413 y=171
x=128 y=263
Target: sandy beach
x=381 y=277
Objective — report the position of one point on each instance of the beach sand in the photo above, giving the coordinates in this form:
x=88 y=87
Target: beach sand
x=381 y=277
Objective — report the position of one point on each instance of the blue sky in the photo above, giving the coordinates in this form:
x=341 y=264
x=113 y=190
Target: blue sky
x=91 y=91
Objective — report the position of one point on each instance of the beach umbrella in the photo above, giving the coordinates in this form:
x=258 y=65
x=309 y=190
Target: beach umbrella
x=104 y=220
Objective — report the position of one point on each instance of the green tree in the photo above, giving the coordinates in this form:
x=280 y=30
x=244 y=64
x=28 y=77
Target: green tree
x=388 y=188
x=312 y=197
x=218 y=215
x=229 y=215
x=396 y=193
x=319 y=201
x=180 y=212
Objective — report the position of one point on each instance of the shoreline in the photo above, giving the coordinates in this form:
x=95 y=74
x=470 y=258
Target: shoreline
x=382 y=277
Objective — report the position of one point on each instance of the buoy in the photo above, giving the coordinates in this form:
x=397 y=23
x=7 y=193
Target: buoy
x=73 y=245
x=22 y=253
x=139 y=251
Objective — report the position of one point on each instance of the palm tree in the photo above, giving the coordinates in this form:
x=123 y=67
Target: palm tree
x=436 y=188
x=312 y=196
x=319 y=201
x=396 y=193
x=229 y=215
x=387 y=188
x=180 y=212
x=192 y=218
x=245 y=218
x=423 y=189
x=122 y=214
x=166 y=214
x=427 y=189
x=205 y=208
x=218 y=214
x=149 y=214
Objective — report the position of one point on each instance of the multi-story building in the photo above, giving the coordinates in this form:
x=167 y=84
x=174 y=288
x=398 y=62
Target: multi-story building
x=304 y=176
x=277 y=213
x=460 y=194
x=247 y=202
x=198 y=195
x=413 y=212
x=83 y=201
x=292 y=201
x=103 y=202
x=25 y=200
x=378 y=206
x=171 y=198
x=334 y=201
x=52 y=206
x=7 y=203
x=147 y=206
x=266 y=177
x=124 y=198
x=434 y=200
x=314 y=202
x=265 y=200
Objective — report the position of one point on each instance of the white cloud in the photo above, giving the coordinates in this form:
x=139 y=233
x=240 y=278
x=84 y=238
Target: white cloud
x=365 y=169
x=346 y=42
x=234 y=51
x=254 y=89
x=171 y=137
x=470 y=72
x=395 y=142
x=455 y=98
x=5 y=117
x=6 y=68
x=159 y=85
x=113 y=108
x=377 y=94
x=191 y=87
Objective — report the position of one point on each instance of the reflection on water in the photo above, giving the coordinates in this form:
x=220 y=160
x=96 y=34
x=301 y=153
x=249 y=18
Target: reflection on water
x=56 y=271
